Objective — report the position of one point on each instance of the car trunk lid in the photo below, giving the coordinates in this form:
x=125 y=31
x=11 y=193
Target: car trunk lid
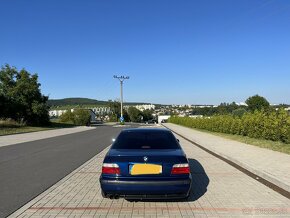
x=126 y=158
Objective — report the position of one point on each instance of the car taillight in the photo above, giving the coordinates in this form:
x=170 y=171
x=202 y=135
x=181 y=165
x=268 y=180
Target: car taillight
x=110 y=168
x=180 y=169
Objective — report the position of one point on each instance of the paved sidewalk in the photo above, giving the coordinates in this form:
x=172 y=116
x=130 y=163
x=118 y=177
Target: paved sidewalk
x=218 y=190
x=32 y=136
x=270 y=165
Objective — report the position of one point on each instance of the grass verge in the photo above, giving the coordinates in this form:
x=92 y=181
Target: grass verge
x=9 y=130
x=273 y=145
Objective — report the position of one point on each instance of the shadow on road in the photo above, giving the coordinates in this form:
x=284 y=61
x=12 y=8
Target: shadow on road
x=200 y=180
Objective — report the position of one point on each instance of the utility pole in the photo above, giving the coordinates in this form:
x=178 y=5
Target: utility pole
x=121 y=79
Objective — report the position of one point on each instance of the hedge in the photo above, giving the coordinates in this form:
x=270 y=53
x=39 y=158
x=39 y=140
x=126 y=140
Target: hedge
x=274 y=125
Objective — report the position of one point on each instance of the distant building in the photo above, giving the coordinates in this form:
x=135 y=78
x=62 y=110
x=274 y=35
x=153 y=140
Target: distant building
x=101 y=110
x=143 y=107
x=94 y=111
x=241 y=104
x=195 y=116
x=57 y=113
x=163 y=117
x=203 y=106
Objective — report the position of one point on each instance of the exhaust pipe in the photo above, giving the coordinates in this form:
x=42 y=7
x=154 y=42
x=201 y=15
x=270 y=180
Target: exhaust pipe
x=112 y=196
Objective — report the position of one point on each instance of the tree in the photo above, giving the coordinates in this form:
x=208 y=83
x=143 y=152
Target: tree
x=21 y=98
x=257 y=102
x=147 y=115
x=134 y=114
x=8 y=108
x=239 y=112
x=115 y=107
x=126 y=116
x=3 y=106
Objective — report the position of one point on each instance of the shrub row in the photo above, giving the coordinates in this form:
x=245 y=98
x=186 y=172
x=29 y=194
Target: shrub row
x=274 y=125
x=79 y=117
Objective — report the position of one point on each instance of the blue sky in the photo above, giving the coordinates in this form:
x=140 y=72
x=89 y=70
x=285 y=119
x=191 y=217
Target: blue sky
x=196 y=52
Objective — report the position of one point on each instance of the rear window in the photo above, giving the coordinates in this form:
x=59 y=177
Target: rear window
x=146 y=140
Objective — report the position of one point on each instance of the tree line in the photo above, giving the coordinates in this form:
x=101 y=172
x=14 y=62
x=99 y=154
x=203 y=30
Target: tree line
x=129 y=113
x=255 y=102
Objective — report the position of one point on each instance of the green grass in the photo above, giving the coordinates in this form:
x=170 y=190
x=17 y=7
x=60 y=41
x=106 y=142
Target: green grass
x=272 y=145
x=14 y=129
x=22 y=129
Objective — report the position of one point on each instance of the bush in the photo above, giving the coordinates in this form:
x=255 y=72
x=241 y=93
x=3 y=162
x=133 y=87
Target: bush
x=270 y=125
x=67 y=117
x=79 y=117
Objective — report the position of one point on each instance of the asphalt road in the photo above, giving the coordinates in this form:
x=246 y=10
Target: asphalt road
x=28 y=169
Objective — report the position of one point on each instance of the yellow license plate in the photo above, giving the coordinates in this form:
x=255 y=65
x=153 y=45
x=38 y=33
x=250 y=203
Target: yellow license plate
x=145 y=169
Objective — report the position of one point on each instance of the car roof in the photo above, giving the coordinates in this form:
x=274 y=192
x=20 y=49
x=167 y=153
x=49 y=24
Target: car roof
x=146 y=130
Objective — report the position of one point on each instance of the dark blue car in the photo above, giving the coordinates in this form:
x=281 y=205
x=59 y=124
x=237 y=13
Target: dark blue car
x=145 y=164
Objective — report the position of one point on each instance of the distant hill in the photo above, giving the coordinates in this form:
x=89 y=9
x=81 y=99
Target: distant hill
x=80 y=102
x=75 y=101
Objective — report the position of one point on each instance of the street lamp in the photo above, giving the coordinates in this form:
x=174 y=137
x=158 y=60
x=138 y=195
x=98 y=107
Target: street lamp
x=121 y=79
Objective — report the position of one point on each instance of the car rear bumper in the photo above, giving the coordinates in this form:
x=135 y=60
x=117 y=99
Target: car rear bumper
x=154 y=196
x=146 y=189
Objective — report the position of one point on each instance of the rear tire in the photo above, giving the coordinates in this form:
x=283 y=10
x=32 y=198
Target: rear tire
x=186 y=198
x=104 y=195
